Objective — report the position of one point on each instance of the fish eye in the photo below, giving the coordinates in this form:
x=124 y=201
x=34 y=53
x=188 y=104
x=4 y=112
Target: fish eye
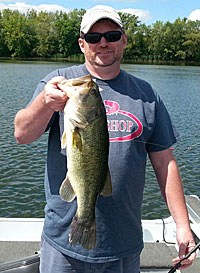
x=93 y=90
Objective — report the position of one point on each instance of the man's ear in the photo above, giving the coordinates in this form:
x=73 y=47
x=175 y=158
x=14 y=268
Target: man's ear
x=125 y=40
x=81 y=44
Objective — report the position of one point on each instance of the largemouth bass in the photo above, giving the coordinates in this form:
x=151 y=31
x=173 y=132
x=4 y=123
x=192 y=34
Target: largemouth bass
x=86 y=141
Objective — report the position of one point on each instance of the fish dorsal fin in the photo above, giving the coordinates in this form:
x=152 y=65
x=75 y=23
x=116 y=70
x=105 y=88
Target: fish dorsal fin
x=66 y=191
x=107 y=190
x=64 y=141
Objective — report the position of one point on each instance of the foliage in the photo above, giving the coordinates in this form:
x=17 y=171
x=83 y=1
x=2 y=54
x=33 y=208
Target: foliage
x=47 y=34
x=16 y=33
x=68 y=29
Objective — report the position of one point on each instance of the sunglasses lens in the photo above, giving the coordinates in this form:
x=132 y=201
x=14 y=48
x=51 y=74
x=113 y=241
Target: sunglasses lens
x=92 y=38
x=110 y=36
x=113 y=36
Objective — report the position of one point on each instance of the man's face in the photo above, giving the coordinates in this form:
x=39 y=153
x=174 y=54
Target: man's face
x=103 y=53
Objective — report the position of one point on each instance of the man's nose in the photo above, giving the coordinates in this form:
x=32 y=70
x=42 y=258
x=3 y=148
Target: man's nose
x=103 y=41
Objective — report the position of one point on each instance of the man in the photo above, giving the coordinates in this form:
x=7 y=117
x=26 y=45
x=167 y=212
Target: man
x=134 y=110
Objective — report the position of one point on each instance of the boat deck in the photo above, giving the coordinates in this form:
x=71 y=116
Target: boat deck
x=155 y=257
x=158 y=256
x=13 y=251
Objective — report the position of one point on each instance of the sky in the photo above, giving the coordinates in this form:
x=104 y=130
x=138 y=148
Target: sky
x=148 y=11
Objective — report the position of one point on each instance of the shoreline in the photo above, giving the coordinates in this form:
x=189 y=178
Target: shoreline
x=75 y=59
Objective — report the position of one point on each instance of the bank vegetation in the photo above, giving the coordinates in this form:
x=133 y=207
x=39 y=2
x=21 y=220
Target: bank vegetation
x=55 y=35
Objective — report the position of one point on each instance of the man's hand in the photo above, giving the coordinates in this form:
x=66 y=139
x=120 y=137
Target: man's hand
x=186 y=244
x=53 y=97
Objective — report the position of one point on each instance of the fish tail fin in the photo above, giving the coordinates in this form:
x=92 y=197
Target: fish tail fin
x=83 y=233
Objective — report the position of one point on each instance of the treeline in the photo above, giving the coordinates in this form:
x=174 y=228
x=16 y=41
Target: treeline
x=55 y=34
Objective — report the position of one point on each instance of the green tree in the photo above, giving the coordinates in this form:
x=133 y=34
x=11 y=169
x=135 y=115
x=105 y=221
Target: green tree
x=68 y=28
x=192 y=41
x=167 y=40
x=130 y=23
x=51 y=34
x=17 y=33
x=156 y=46
x=174 y=39
x=140 y=42
x=46 y=36
x=4 y=51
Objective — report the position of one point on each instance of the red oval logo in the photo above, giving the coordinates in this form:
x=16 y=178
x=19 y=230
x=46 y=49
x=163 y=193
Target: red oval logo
x=122 y=125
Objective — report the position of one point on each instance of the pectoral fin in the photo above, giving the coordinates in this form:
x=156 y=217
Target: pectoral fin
x=64 y=141
x=76 y=139
x=107 y=190
x=66 y=191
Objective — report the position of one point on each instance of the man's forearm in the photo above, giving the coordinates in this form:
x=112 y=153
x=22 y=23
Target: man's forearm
x=174 y=195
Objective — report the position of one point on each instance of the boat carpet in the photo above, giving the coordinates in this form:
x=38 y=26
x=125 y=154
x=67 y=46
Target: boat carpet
x=155 y=257
x=12 y=251
x=194 y=203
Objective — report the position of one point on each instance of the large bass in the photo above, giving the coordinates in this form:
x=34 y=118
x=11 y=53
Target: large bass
x=86 y=141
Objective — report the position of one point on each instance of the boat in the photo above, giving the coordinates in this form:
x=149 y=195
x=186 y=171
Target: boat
x=20 y=242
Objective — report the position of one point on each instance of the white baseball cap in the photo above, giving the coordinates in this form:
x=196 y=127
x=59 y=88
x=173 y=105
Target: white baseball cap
x=96 y=13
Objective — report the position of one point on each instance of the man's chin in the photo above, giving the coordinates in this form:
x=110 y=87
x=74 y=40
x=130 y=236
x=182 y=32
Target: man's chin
x=101 y=63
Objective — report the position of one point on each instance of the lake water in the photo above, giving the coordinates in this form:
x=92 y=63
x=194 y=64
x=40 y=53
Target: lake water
x=22 y=166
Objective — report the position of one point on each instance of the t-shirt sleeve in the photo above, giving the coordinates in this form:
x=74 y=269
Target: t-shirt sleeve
x=164 y=133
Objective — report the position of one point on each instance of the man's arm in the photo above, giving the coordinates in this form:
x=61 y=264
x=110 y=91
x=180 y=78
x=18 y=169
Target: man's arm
x=31 y=122
x=170 y=183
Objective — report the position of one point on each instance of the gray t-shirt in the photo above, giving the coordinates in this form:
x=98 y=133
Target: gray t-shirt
x=138 y=123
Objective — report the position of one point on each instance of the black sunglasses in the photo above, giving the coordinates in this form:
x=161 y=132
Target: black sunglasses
x=95 y=37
